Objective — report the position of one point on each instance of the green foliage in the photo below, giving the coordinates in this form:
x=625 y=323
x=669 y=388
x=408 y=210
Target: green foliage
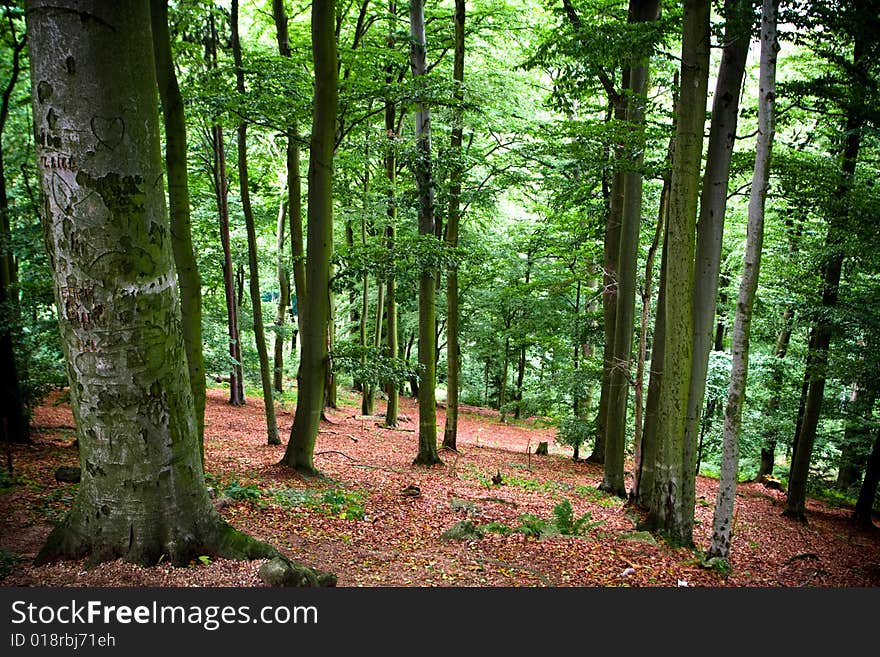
x=598 y=496
x=561 y=523
x=337 y=502
x=236 y=491
x=574 y=431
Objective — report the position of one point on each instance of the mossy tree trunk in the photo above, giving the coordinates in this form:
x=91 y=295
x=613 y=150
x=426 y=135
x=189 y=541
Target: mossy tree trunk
x=253 y=266
x=713 y=205
x=315 y=307
x=391 y=388
x=722 y=524
x=283 y=298
x=142 y=494
x=669 y=515
x=427 y=454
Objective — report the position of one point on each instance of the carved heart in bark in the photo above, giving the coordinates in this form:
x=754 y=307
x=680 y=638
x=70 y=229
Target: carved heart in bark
x=62 y=193
x=109 y=132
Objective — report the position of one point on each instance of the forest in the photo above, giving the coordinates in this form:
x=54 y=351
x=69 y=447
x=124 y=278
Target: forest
x=451 y=293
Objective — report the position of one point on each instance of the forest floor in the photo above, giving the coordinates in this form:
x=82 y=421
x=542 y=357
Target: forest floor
x=376 y=520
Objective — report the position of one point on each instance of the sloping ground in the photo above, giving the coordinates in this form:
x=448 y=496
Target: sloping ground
x=376 y=520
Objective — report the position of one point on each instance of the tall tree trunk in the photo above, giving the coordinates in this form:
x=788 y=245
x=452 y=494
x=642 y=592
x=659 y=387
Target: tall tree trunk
x=640 y=11
x=294 y=191
x=391 y=388
x=369 y=397
x=427 y=317
x=669 y=515
x=283 y=298
x=639 y=413
x=862 y=515
x=316 y=304
x=253 y=266
x=453 y=349
x=722 y=524
x=713 y=205
x=142 y=494
x=645 y=450
x=820 y=340
x=14 y=414
x=221 y=191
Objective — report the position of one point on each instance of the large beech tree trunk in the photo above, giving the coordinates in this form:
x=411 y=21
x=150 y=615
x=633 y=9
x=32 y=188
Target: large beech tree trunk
x=315 y=307
x=253 y=267
x=142 y=494
x=640 y=11
x=427 y=302
x=713 y=205
x=669 y=515
x=722 y=524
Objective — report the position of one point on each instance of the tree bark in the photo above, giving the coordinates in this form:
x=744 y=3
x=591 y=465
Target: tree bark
x=294 y=184
x=640 y=11
x=315 y=307
x=253 y=266
x=142 y=495
x=668 y=515
x=713 y=205
x=283 y=298
x=722 y=524
x=453 y=349
x=391 y=388
x=427 y=316
x=221 y=191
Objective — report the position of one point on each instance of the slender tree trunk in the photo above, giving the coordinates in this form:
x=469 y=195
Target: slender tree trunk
x=253 y=266
x=294 y=192
x=647 y=292
x=14 y=414
x=820 y=340
x=283 y=298
x=221 y=191
x=369 y=397
x=862 y=515
x=392 y=388
x=142 y=495
x=722 y=524
x=453 y=349
x=640 y=11
x=713 y=205
x=669 y=515
x=427 y=319
x=316 y=305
